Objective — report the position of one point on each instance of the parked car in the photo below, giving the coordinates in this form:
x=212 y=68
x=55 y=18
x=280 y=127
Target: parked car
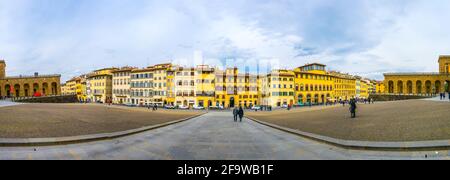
x=130 y=105
x=169 y=107
x=199 y=108
x=256 y=108
x=284 y=106
x=183 y=107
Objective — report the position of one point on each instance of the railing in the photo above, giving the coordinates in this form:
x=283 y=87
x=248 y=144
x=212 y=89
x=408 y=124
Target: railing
x=33 y=97
x=32 y=76
x=407 y=94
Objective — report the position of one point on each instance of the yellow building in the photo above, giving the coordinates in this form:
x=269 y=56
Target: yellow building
x=160 y=83
x=205 y=86
x=380 y=88
x=226 y=87
x=313 y=85
x=70 y=87
x=364 y=89
x=99 y=85
x=277 y=88
x=27 y=86
x=76 y=86
x=344 y=86
x=171 y=93
x=424 y=84
x=247 y=90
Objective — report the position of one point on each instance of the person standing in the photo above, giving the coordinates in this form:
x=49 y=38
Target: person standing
x=235 y=114
x=440 y=94
x=353 y=108
x=241 y=113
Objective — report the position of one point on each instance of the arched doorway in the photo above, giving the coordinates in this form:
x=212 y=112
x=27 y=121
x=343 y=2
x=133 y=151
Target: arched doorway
x=316 y=99
x=300 y=99
x=8 y=90
x=232 y=102
x=35 y=88
x=17 y=90
x=438 y=87
x=428 y=87
x=419 y=87
x=44 y=89
x=447 y=86
x=323 y=99
x=308 y=98
x=26 y=89
x=54 y=88
x=391 y=87
x=400 y=87
x=409 y=86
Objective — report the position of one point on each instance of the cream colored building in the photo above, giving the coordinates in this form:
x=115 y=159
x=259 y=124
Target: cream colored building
x=185 y=87
x=121 y=81
x=142 y=87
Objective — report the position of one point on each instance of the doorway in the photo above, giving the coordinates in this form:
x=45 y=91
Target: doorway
x=232 y=102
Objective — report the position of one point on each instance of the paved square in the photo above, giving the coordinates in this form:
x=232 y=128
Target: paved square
x=62 y=120
x=413 y=120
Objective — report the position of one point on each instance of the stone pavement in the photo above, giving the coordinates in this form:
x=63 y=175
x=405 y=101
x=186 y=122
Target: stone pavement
x=211 y=136
x=4 y=103
x=438 y=98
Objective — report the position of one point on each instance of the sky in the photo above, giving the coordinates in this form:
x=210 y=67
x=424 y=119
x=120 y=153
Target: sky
x=361 y=37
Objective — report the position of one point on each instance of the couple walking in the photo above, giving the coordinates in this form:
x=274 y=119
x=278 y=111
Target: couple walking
x=238 y=112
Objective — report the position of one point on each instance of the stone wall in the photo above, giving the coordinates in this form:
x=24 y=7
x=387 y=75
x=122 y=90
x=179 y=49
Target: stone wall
x=49 y=99
x=388 y=97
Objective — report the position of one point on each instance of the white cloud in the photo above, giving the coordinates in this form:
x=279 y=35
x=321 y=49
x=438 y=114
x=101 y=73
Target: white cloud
x=367 y=37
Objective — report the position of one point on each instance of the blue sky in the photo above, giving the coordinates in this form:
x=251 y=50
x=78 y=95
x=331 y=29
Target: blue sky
x=364 y=37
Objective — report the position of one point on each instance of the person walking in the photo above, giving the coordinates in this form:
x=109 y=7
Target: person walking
x=241 y=113
x=235 y=114
x=353 y=108
x=440 y=94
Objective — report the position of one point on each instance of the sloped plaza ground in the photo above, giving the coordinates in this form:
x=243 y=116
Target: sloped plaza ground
x=62 y=120
x=412 y=120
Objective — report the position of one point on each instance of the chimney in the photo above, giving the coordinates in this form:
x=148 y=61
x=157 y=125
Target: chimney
x=36 y=74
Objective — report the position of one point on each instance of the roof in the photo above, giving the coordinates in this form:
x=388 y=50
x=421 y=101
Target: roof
x=313 y=64
x=142 y=70
x=124 y=69
x=2 y=61
x=111 y=68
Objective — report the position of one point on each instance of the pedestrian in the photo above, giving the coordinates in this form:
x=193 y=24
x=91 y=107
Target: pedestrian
x=440 y=94
x=353 y=108
x=235 y=114
x=241 y=113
